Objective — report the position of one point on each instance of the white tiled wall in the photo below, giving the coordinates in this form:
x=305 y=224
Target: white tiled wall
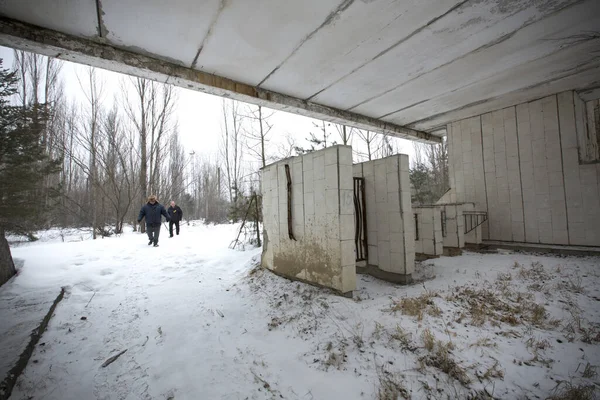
x=322 y=218
x=534 y=188
x=430 y=239
x=390 y=227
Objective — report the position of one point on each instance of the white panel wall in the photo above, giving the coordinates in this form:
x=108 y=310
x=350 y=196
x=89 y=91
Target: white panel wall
x=430 y=239
x=467 y=164
x=536 y=189
x=322 y=218
x=390 y=228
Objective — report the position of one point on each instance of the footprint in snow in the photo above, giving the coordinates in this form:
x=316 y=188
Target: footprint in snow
x=106 y=271
x=160 y=337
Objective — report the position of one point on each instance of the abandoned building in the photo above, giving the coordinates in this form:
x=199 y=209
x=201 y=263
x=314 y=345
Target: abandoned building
x=513 y=86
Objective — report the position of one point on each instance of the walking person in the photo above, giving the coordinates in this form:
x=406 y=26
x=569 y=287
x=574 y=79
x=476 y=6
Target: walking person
x=176 y=215
x=153 y=211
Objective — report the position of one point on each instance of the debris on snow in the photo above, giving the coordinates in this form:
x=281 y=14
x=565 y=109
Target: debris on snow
x=113 y=359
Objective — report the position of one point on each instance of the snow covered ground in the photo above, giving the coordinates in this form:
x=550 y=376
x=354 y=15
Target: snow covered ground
x=199 y=321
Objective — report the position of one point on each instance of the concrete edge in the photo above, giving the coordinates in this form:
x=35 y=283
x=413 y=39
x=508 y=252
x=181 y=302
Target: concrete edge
x=392 y=277
x=533 y=248
x=304 y=281
x=452 y=251
x=7 y=385
x=425 y=257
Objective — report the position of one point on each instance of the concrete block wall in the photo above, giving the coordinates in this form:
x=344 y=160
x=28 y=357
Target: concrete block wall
x=465 y=150
x=454 y=226
x=535 y=187
x=429 y=226
x=390 y=227
x=322 y=219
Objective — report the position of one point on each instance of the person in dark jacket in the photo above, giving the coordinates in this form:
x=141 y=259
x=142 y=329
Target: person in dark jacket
x=153 y=211
x=176 y=215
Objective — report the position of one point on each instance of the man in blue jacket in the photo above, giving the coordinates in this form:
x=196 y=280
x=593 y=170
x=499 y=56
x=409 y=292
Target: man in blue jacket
x=152 y=211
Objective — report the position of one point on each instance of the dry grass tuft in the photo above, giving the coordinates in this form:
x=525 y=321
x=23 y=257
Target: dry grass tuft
x=575 y=284
x=589 y=332
x=567 y=391
x=484 y=342
x=428 y=340
x=440 y=356
x=536 y=347
x=391 y=386
x=535 y=272
x=516 y=265
x=404 y=338
x=498 y=306
x=335 y=357
x=504 y=277
x=590 y=371
x=537 y=344
x=417 y=306
x=538 y=314
x=480 y=395
x=493 y=372
x=378 y=331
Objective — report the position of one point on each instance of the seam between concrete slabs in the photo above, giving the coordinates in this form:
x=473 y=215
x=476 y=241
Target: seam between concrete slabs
x=520 y=174
x=562 y=167
x=304 y=198
x=487 y=204
x=402 y=215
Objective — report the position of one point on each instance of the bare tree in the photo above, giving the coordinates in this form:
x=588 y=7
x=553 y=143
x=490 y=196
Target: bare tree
x=163 y=102
x=387 y=146
x=21 y=65
x=346 y=134
x=287 y=149
x=93 y=90
x=119 y=167
x=257 y=132
x=232 y=146
x=150 y=113
x=372 y=144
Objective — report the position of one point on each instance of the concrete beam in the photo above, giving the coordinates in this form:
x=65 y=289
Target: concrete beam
x=590 y=94
x=86 y=51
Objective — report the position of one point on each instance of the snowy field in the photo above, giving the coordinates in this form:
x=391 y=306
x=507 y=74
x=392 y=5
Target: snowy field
x=199 y=321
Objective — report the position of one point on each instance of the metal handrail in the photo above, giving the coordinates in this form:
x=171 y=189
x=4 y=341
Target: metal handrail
x=473 y=219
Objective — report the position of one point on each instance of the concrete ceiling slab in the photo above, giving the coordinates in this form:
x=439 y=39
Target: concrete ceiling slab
x=522 y=96
x=471 y=26
x=402 y=66
x=171 y=30
x=247 y=43
x=366 y=30
x=75 y=17
x=553 y=67
x=522 y=47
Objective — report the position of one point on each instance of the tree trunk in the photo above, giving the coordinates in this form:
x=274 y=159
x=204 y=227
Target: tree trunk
x=7 y=266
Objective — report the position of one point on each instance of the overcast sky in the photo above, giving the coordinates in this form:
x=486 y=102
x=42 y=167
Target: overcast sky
x=199 y=114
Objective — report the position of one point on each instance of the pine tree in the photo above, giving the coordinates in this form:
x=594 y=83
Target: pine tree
x=23 y=167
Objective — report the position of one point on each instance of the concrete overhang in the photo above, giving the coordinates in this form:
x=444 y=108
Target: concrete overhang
x=406 y=68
